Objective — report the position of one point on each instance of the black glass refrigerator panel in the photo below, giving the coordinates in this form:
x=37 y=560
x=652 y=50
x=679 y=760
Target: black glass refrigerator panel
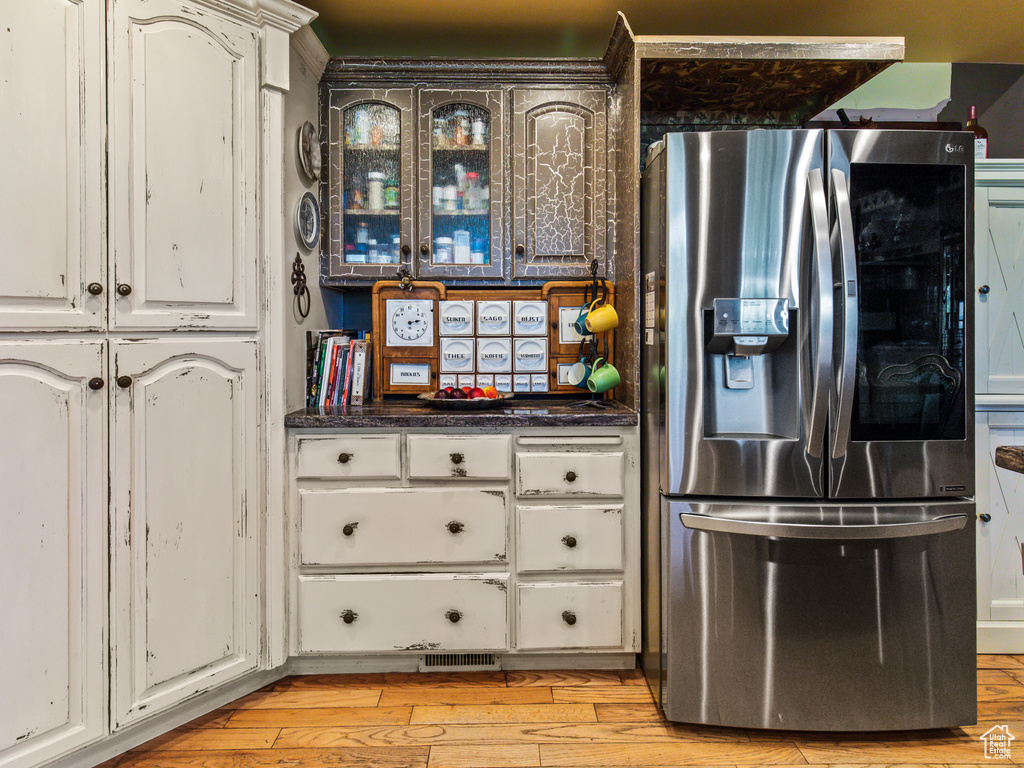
x=910 y=245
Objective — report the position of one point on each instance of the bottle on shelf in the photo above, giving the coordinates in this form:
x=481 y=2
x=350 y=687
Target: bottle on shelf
x=375 y=190
x=362 y=242
x=980 y=134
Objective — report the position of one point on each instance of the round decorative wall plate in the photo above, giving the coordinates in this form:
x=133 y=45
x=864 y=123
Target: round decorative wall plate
x=307 y=220
x=309 y=151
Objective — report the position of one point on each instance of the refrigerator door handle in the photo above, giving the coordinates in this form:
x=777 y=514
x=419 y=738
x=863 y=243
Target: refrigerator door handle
x=823 y=323
x=767 y=528
x=846 y=288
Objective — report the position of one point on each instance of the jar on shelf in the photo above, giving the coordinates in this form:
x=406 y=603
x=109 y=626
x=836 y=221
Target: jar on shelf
x=443 y=250
x=362 y=129
x=440 y=133
x=375 y=190
x=479 y=132
x=460 y=250
x=460 y=128
x=362 y=242
x=391 y=193
x=355 y=198
x=472 y=199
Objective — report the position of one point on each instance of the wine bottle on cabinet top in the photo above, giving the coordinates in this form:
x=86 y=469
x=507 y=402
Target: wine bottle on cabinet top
x=980 y=134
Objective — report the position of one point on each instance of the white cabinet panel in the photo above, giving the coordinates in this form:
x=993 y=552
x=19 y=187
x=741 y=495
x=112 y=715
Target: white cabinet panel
x=184 y=151
x=569 y=473
x=186 y=496
x=419 y=612
x=999 y=275
x=52 y=548
x=570 y=615
x=569 y=538
x=350 y=457
x=382 y=526
x=459 y=456
x=51 y=166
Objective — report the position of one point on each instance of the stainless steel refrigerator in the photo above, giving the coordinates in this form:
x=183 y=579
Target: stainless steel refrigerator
x=808 y=429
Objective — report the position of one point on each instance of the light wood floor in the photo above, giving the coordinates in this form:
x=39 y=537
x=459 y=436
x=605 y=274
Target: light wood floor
x=536 y=720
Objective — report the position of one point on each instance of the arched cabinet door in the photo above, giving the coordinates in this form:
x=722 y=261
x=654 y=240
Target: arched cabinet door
x=184 y=149
x=559 y=182
x=185 y=482
x=52 y=200
x=53 y=524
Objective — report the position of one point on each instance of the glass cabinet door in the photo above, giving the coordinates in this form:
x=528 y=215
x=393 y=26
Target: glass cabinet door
x=370 y=185
x=460 y=184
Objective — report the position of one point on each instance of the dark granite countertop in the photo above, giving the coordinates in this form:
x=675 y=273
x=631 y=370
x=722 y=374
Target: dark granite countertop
x=515 y=413
x=1010 y=457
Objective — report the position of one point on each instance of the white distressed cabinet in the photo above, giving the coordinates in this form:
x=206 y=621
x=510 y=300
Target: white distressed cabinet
x=999 y=417
x=417 y=545
x=52 y=544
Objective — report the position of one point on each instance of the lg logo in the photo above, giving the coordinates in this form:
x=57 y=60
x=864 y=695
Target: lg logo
x=951 y=148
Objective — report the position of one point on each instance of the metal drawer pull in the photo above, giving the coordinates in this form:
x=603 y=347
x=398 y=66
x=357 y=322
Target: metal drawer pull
x=124 y=289
x=453 y=616
x=95 y=289
x=96 y=383
x=344 y=458
x=985 y=517
x=569 y=541
x=570 y=476
x=349 y=616
x=124 y=381
x=569 y=617
x=984 y=289
x=455 y=527
x=457 y=458
x=349 y=528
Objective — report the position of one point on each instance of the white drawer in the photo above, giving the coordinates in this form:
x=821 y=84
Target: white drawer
x=569 y=538
x=455 y=456
x=349 y=457
x=403 y=613
x=569 y=474
x=369 y=526
x=570 y=615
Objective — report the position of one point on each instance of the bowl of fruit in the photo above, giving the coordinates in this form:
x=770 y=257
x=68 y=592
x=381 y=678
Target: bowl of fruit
x=465 y=398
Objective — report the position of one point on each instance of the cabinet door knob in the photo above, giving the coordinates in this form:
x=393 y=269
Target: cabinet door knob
x=406 y=249
x=457 y=458
x=349 y=616
x=124 y=381
x=344 y=458
x=124 y=289
x=984 y=289
x=985 y=517
x=455 y=527
x=349 y=529
x=96 y=383
x=570 y=476
x=569 y=541
x=569 y=617
x=520 y=249
x=424 y=249
x=453 y=616
x=95 y=289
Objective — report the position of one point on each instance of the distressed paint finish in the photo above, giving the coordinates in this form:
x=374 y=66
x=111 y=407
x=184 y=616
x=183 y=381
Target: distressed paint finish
x=335 y=104
x=545 y=533
x=570 y=615
x=492 y=100
x=185 y=479
x=570 y=474
x=184 y=157
x=459 y=456
x=559 y=181
x=402 y=526
x=408 y=612
x=52 y=549
x=52 y=196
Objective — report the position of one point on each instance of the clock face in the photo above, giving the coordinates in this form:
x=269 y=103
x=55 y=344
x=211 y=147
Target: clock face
x=410 y=323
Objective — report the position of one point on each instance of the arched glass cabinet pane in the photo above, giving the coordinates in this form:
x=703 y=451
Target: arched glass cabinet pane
x=368 y=199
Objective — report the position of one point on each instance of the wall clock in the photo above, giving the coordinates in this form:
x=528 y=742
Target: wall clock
x=307 y=220
x=409 y=322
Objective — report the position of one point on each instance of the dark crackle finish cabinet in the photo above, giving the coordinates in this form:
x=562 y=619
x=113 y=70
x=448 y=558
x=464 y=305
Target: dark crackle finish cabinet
x=484 y=172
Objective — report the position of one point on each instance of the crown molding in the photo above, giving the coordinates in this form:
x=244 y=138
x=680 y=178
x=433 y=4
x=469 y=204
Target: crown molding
x=280 y=14
x=310 y=50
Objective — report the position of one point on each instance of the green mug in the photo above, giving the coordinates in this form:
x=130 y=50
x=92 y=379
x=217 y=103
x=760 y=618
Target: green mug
x=603 y=376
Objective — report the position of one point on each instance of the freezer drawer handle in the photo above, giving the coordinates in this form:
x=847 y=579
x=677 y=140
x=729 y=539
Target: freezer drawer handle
x=767 y=528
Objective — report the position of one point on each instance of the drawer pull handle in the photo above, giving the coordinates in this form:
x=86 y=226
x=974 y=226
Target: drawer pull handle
x=569 y=541
x=453 y=616
x=455 y=527
x=349 y=616
x=349 y=528
x=344 y=458
x=95 y=289
x=96 y=383
x=457 y=458
x=570 y=476
x=124 y=381
x=124 y=289
x=569 y=617
x=985 y=517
